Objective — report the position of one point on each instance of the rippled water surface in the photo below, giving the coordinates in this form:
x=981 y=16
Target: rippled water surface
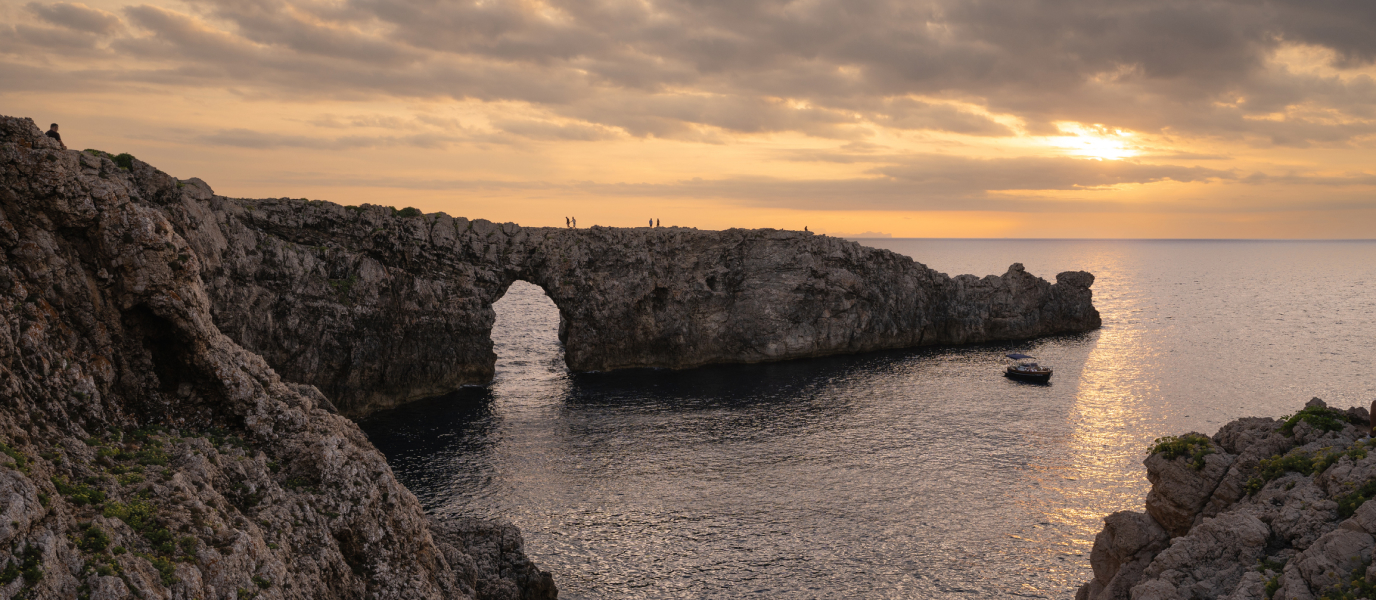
x=910 y=474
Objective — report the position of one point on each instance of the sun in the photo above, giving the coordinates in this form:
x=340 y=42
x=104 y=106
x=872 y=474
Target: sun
x=1094 y=141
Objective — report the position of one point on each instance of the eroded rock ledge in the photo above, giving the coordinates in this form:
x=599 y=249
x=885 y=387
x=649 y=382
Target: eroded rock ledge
x=1266 y=508
x=376 y=307
x=145 y=454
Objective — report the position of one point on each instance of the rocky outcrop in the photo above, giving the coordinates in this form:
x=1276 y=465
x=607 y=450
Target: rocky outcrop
x=376 y=307
x=1266 y=508
x=146 y=454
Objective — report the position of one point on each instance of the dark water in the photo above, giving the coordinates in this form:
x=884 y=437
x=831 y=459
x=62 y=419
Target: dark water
x=913 y=474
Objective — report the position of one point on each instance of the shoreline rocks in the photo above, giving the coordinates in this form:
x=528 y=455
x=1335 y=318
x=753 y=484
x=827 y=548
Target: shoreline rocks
x=1264 y=509
x=145 y=454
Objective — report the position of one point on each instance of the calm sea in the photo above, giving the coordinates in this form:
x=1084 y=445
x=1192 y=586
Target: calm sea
x=909 y=474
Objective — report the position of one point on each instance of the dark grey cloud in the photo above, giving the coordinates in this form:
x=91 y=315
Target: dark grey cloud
x=257 y=140
x=78 y=17
x=670 y=68
x=54 y=38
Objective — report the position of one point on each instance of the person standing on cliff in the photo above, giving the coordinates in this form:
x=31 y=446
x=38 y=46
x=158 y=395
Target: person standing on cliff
x=52 y=133
x=566 y=222
x=575 y=222
x=652 y=222
x=656 y=222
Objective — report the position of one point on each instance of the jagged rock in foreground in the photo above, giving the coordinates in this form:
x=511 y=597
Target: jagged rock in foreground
x=1266 y=508
x=147 y=455
x=377 y=307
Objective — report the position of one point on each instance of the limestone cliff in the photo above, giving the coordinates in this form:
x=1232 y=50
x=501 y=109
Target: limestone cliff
x=145 y=454
x=1266 y=508
x=376 y=307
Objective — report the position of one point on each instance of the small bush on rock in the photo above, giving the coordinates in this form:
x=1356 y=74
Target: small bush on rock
x=1300 y=462
x=1355 y=588
x=93 y=539
x=21 y=462
x=1192 y=445
x=79 y=494
x=1323 y=419
x=1349 y=503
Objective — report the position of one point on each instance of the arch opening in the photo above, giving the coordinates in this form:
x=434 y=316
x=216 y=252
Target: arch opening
x=526 y=335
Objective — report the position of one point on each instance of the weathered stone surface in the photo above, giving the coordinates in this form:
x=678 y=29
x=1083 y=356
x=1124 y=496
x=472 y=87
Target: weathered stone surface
x=1332 y=558
x=1209 y=562
x=1252 y=586
x=1179 y=491
x=376 y=309
x=248 y=485
x=1252 y=440
x=494 y=566
x=1121 y=553
x=1284 y=535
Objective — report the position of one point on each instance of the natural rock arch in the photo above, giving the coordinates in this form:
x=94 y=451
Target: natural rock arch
x=377 y=309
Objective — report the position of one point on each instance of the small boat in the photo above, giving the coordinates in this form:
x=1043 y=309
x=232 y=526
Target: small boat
x=1028 y=371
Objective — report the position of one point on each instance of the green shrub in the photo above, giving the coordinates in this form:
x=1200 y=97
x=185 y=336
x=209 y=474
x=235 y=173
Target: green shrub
x=1323 y=419
x=27 y=564
x=146 y=434
x=164 y=567
x=78 y=494
x=409 y=212
x=105 y=568
x=1272 y=586
x=1350 y=502
x=152 y=456
x=1356 y=587
x=140 y=516
x=125 y=160
x=188 y=544
x=93 y=539
x=1192 y=445
x=21 y=462
x=1277 y=466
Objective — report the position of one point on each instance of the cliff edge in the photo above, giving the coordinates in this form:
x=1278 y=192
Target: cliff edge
x=1265 y=509
x=145 y=454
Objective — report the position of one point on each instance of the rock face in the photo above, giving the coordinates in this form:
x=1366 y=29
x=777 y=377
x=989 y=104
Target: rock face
x=376 y=307
x=146 y=454
x=1264 y=509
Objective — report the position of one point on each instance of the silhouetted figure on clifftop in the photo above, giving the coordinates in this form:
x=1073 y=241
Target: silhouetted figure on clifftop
x=52 y=133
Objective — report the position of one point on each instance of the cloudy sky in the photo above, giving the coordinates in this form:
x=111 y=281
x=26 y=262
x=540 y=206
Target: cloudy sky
x=938 y=118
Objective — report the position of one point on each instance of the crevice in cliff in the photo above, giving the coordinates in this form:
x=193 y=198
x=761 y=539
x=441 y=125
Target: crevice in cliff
x=183 y=393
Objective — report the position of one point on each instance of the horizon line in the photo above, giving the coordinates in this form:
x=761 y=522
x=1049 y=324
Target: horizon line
x=1011 y=239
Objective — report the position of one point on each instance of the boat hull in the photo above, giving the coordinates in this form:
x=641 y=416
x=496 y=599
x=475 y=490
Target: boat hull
x=1024 y=376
